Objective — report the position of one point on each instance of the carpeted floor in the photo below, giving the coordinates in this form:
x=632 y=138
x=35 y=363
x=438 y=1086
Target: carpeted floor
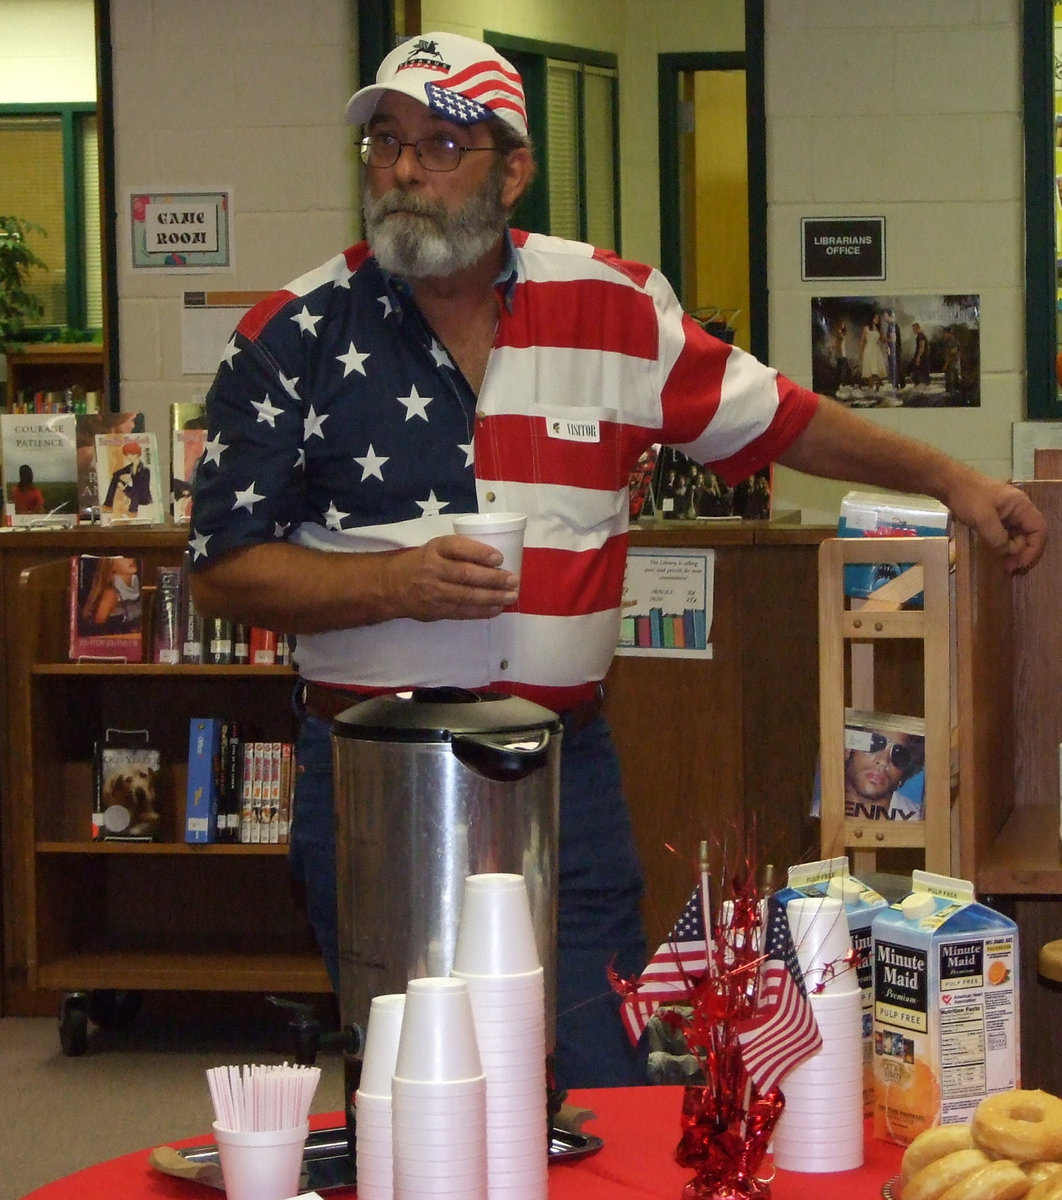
x=137 y=1087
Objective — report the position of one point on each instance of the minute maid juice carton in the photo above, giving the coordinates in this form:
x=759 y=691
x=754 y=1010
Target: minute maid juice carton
x=830 y=877
x=946 y=1020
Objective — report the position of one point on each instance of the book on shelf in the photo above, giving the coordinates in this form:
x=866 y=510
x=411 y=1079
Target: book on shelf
x=39 y=456
x=106 y=608
x=187 y=443
x=125 y=786
x=684 y=489
x=263 y=646
x=166 y=616
x=204 y=756
x=128 y=466
x=89 y=426
x=229 y=806
x=870 y=514
x=884 y=767
x=217 y=640
x=192 y=625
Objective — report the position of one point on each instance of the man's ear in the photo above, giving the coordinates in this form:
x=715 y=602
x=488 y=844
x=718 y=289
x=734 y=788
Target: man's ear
x=519 y=171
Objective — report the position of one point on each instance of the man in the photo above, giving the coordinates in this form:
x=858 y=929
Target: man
x=448 y=365
x=918 y=368
x=876 y=766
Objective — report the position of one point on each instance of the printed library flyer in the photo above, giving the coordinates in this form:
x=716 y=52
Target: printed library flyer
x=667 y=603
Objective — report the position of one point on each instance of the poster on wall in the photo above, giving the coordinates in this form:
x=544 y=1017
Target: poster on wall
x=897 y=351
x=181 y=231
x=668 y=598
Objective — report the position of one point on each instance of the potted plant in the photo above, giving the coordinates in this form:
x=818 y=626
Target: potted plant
x=17 y=304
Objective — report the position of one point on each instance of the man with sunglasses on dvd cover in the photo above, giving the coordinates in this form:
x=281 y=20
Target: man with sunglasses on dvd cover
x=451 y=364
x=876 y=767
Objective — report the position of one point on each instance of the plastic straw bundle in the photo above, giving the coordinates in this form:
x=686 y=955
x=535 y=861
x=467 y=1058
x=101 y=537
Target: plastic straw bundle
x=262 y=1097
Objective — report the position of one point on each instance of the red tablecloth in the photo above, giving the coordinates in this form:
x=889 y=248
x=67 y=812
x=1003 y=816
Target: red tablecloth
x=639 y=1126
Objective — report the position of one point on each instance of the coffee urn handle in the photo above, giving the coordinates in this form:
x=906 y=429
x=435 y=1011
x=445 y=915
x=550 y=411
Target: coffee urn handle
x=502 y=756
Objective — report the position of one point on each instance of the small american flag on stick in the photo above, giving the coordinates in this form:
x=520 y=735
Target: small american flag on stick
x=669 y=974
x=781 y=1033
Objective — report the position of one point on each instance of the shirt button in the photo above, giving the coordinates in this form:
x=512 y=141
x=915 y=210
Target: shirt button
x=504 y=664
x=491 y=497
x=480 y=415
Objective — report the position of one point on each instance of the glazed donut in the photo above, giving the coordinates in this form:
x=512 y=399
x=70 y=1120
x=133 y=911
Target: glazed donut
x=939 y=1176
x=1044 y=1186
x=999 y=1180
x=1039 y=1171
x=1023 y=1125
x=932 y=1144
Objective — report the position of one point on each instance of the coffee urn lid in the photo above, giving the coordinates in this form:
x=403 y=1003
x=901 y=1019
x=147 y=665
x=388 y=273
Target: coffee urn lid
x=438 y=714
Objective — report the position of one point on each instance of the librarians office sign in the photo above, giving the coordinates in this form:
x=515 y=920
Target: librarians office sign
x=842 y=248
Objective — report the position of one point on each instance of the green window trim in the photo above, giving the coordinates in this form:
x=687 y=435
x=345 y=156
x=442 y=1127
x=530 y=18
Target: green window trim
x=70 y=116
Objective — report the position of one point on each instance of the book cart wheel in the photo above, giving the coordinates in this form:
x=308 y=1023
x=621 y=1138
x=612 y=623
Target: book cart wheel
x=73 y=1023
x=111 y=1008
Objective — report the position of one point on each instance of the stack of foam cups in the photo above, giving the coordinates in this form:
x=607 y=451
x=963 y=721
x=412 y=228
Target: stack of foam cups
x=373 y=1141
x=821 y=1127
x=496 y=956
x=438 y=1097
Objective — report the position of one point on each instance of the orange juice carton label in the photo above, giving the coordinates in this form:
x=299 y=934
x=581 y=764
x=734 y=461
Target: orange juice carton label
x=946 y=1007
x=831 y=877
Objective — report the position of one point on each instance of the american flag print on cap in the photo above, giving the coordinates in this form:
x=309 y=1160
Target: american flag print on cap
x=463 y=80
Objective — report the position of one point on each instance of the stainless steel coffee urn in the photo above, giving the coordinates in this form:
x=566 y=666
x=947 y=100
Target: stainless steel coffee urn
x=432 y=786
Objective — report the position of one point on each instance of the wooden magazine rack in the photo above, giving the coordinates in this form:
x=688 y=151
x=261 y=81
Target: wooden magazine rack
x=849 y=631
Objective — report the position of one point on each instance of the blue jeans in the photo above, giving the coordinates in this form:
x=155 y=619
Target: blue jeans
x=599 y=922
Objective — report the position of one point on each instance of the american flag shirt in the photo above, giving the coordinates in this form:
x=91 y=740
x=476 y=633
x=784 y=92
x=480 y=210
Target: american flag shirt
x=337 y=420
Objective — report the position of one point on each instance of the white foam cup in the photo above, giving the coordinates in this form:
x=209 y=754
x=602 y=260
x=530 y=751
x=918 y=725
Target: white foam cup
x=464 y=1098
x=819 y=926
x=503 y=530
x=261 y=1164
x=382 y=1031
x=438 y=1039
x=495 y=932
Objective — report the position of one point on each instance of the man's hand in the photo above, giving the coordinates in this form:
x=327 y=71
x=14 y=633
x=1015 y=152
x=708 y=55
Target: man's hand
x=449 y=578
x=1004 y=517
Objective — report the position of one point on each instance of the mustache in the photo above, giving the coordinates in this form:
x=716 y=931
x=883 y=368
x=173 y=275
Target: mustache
x=405 y=202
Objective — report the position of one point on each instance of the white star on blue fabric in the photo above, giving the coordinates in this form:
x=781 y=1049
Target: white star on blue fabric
x=388 y=307
x=300 y=459
x=198 y=544
x=353 y=360
x=267 y=411
x=213 y=448
x=371 y=464
x=433 y=506
x=306 y=320
x=438 y=352
x=247 y=499
x=343 y=278
x=230 y=352
x=469 y=452
x=311 y=427
x=289 y=384
x=333 y=517
x=415 y=404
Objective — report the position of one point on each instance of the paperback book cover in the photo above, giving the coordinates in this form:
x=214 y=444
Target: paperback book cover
x=89 y=427
x=126 y=776
x=106 y=608
x=39 y=468
x=884 y=767
x=186 y=449
x=129 y=468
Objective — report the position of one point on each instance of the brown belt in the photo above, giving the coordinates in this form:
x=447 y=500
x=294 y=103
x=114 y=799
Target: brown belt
x=326 y=703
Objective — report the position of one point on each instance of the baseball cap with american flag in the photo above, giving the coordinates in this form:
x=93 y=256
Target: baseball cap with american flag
x=463 y=80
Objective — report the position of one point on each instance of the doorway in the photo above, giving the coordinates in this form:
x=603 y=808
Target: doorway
x=713 y=205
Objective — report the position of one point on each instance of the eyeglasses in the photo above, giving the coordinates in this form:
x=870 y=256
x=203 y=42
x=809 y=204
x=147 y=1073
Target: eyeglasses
x=900 y=756
x=435 y=153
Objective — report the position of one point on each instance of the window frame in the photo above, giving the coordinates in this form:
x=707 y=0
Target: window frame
x=69 y=113
x=1042 y=398
x=530 y=57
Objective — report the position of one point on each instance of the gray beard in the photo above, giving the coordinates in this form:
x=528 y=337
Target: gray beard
x=424 y=240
